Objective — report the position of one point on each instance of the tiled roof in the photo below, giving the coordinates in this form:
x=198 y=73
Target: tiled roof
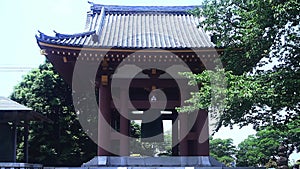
x=66 y=39
x=137 y=27
x=13 y=111
x=9 y=105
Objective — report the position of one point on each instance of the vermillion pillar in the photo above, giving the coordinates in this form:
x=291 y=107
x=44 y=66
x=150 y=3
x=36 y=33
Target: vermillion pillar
x=183 y=129
x=202 y=131
x=183 y=145
x=174 y=134
x=104 y=120
x=124 y=124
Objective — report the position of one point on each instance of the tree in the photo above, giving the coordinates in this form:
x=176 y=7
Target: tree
x=62 y=143
x=252 y=34
x=222 y=150
x=260 y=148
x=247 y=153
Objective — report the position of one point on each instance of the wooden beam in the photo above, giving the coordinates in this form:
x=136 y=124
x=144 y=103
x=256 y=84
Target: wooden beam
x=160 y=83
x=140 y=105
x=163 y=116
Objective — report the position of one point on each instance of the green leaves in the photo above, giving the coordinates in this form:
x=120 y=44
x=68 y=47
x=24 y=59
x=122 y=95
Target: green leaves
x=223 y=150
x=259 y=149
x=63 y=142
x=253 y=34
x=230 y=96
x=248 y=30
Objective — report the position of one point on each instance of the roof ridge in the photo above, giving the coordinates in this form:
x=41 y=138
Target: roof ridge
x=125 y=8
x=61 y=35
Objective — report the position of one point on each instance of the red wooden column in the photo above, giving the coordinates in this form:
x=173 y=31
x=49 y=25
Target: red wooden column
x=174 y=133
x=183 y=145
x=124 y=124
x=183 y=128
x=104 y=130
x=202 y=132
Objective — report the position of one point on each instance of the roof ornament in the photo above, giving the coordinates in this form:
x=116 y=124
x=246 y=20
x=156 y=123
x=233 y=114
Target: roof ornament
x=56 y=33
x=43 y=36
x=95 y=37
x=41 y=33
x=92 y=3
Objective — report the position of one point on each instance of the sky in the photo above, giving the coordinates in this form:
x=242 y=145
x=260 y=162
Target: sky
x=22 y=19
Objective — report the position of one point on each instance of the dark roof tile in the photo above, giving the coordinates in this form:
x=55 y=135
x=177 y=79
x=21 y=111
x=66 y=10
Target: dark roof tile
x=137 y=27
x=10 y=105
x=13 y=111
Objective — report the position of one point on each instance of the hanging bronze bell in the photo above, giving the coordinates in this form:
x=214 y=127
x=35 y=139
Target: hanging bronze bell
x=152 y=131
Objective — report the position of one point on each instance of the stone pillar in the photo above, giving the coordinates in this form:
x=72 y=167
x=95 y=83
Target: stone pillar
x=124 y=124
x=202 y=133
x=104 y=131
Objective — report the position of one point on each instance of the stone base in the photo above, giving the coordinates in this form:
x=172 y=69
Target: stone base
x=153 y=162
x=8 y=165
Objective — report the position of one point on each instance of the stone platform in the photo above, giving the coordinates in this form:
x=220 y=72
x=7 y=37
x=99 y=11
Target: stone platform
x=190 y=162
x=153 y=162
x=8 y=165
